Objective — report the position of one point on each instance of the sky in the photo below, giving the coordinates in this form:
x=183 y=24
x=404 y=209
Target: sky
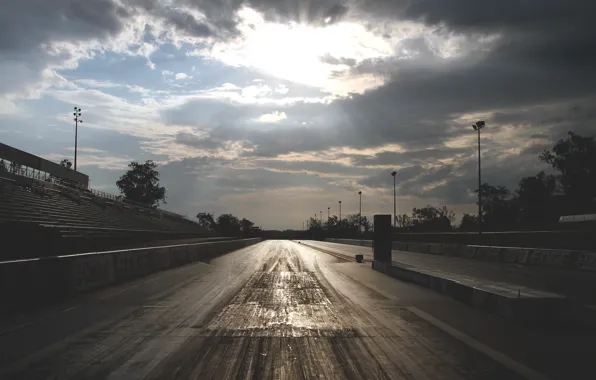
x=276 y=110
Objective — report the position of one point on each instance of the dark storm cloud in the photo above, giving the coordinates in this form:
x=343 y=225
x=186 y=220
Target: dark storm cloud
x=186 y=22
x=335 y=13
x=25 y=24
x=498 y=15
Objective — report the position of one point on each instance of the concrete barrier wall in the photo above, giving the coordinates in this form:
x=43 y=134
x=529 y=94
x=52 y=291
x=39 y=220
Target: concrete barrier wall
x=555 y=258
x=29 y=283
x=570 y=239
x=362 y=243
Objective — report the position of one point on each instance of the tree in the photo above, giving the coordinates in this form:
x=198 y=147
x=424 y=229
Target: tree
x=331 y=223
x=575 y=160
x=432 y=219
x=207 y=221
x=535 y=196
x=2 y=166
x=228 y=225
x=246 y=226
x=314 y=224
x=366 y=224
x=66 y=163
x=141 y=184
x=404 y=221
x=449 y=214
x=469 y=222
x=499 y=208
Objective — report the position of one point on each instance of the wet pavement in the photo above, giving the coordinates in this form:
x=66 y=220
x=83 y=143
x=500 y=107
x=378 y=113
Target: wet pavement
x=575 y=284
x=275 y=310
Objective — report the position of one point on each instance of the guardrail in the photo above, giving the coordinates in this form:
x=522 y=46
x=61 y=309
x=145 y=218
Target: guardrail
x=31 y=282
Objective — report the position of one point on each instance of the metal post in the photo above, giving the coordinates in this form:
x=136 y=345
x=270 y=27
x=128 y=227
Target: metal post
x=479 y=188
x=360 y=215
x=77 y=115
x=394 y=204
x=394 y=173
x=339 y=233
x=76 y=141
x=477 y=127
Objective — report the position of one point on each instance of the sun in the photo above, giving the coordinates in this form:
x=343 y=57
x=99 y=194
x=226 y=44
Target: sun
x=295 y=51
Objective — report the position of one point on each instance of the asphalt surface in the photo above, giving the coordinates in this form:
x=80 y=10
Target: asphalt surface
x=575 y=284
x=275 y=310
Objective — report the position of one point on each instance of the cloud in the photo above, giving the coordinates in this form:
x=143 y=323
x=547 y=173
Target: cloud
x=311 y=100
x=272 y=117
x=180 y=76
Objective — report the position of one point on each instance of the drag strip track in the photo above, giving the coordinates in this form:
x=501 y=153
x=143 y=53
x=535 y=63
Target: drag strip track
x=275 y=310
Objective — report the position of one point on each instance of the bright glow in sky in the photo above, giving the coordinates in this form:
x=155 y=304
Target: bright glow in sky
x=294 y=51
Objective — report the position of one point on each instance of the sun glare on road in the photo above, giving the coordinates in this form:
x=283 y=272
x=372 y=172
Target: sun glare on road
x=295 y=51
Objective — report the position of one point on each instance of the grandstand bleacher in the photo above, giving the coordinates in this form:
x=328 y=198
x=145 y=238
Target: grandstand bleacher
x=66 y=217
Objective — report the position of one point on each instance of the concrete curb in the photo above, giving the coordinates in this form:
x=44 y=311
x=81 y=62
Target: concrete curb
x=525 y=306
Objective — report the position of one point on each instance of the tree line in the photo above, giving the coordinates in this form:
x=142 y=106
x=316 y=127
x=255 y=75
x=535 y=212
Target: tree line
x=334 y=227
x=538 y=201
x=227 y=225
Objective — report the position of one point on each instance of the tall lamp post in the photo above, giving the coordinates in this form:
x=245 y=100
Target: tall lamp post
x=360 y=214
x=477 y=127
x=393 y=173
x=340 y=218
x=328 y=214
x=77 y=119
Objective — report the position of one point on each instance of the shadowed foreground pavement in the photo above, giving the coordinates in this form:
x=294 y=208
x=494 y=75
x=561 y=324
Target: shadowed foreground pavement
x=275 y=310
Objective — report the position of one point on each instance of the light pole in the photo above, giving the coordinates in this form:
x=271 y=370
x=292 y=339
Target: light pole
x=393 y=173
x=77 y=115
x=328 y=214
x=477 y=127
x=340 y=218
x=360 y=214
